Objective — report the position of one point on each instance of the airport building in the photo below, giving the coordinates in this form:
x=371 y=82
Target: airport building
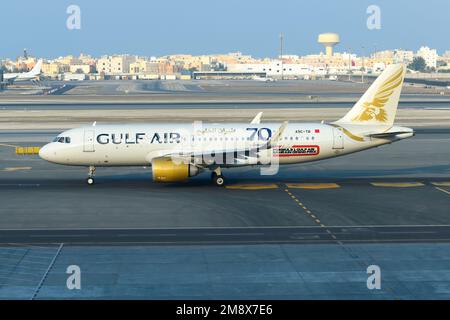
x=234 y=65
x=142 y=66
x=429 y=55
x=275 y=69
x=81 y=68
x=53 y=68
x=119 y=64
x=445 y=61
x=403 y=56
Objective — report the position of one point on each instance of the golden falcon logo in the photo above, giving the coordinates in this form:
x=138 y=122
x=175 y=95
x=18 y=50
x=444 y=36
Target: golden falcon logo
x=375 y=108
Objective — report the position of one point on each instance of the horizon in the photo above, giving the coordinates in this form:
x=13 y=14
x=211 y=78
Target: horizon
x=367 y=55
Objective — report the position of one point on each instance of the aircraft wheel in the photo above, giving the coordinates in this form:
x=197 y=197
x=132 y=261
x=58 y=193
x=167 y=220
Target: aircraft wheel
x=90 y=181
x=219 y=180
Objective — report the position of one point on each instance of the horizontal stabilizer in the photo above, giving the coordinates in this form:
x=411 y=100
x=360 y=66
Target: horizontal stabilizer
x=390 y=134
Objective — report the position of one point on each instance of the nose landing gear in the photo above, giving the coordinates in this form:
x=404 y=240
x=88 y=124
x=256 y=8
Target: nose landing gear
x=90 y=180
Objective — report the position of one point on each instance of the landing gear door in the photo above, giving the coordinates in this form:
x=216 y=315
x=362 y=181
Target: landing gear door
x=338 y=138
x=88 y=140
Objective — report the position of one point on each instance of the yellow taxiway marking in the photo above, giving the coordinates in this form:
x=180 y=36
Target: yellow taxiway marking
x=313 y=186
x=397 y=184
x=441 y=184
x=15 y=169
x=310 y=214
x=252 y=186
x=443 y=190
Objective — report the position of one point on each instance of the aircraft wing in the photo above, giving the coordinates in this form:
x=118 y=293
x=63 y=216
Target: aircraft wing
x=206 y=157
x=209 y=157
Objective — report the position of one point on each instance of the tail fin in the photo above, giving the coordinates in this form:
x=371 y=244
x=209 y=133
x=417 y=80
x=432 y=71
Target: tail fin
x=378 y=105
x=36 y=69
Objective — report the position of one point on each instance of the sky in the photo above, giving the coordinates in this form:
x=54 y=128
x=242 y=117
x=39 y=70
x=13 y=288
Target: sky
x=156 y=28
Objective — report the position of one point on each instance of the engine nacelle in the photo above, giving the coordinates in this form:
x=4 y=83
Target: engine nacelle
x=166 y=170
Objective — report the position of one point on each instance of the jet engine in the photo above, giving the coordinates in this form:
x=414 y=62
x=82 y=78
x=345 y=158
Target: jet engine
x=166 y=170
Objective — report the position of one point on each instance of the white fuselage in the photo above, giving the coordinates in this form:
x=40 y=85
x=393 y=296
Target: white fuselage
x=138 y=144
x=18 y=77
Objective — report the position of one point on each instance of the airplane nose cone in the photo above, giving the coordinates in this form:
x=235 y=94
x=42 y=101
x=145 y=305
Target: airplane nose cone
x=44 y=153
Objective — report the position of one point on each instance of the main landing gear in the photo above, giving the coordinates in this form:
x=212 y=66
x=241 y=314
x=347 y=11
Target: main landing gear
x=217 y=177
x=90 y=180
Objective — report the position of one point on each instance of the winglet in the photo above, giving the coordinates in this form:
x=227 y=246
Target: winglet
x=276 y=137
x=36 y=69
x=257 y=119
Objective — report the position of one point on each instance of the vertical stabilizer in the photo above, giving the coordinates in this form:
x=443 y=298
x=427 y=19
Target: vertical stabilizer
x=378 y=106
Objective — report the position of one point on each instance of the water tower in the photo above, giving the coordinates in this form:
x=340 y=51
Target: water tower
x=329 y=40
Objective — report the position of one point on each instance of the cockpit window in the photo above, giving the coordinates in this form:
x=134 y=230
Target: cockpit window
x=62 y=139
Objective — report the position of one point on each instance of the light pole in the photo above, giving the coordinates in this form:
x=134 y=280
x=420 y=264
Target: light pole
x=349 y=64
x=281 y=55
x=363 y=68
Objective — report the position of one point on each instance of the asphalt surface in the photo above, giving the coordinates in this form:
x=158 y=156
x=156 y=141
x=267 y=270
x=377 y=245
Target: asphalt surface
x=309 y=232
x=268 y=271
x=227 y=236
x=403 y=184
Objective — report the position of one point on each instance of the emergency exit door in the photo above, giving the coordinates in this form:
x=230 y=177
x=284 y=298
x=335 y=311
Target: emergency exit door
x=338 y=138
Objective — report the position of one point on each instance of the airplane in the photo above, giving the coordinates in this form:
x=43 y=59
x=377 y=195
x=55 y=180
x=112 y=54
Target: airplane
x=264 y=79
x=24 y=76
x=178 y=152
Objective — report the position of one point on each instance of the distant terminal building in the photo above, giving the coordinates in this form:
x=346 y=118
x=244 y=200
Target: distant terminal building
x=227 y=74
x=272 y=69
